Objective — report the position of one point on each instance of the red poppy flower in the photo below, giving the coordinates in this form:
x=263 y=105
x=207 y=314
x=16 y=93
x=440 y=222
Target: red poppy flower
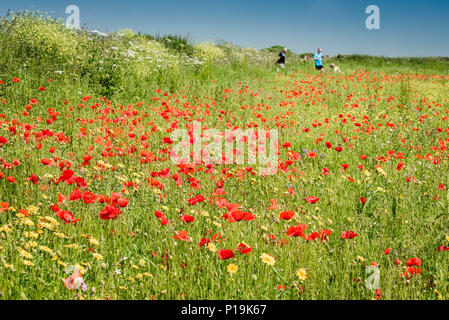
x=122 y=202
x=46 y=162
x=67 y=216
x=414 y=262
x=244 y=249
x=158 y=214
x=103 y=199
x=75 y=195
x=204 y=242
x=410 y=272
x=110 y=212
x=325 y=234
x=312 y=237
x=378 y=293
x=89 y=197
x=312 y=200
x=187 y=218
x=349 y=235
x=274 y=204
x=66 y=175
x=226 y=254
x=11 y=179
x=182 y=235
x=287 y=215
x=33 y=178
x=165 y=221
x=25 y=212
x=4 y=206
x=237 y=215
x=296 y=231
x=192 y=201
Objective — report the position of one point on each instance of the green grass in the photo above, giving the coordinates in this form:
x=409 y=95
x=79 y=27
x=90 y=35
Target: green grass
x=397 y=106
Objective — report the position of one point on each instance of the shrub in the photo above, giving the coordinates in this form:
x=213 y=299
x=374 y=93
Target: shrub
x=37 y=37
x=209 y=51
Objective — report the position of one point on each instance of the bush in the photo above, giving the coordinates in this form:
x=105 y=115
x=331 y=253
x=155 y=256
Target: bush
x=37 y=37
x=209 y=51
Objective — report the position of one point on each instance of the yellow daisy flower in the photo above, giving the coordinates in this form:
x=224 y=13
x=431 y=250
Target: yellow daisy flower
x=212 y=247
x=232 y=268
x=28 y=263
x=266 y=258
x=25 y=253
x=97 y=256
x=301 y=274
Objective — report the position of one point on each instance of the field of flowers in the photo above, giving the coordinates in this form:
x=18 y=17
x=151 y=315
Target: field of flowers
x=92 y=206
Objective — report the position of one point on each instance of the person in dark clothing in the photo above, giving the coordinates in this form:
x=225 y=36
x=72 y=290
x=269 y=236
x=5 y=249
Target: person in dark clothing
x=281 y=59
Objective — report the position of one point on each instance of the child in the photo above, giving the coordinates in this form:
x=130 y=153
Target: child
x=335 y=68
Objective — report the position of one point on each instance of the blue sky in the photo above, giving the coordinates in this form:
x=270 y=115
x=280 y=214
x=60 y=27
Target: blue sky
x=408 y=28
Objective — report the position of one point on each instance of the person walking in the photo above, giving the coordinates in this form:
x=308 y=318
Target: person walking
x=318 y=57
x=281 y=59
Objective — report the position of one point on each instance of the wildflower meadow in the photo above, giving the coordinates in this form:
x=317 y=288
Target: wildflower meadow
x=149 y=167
